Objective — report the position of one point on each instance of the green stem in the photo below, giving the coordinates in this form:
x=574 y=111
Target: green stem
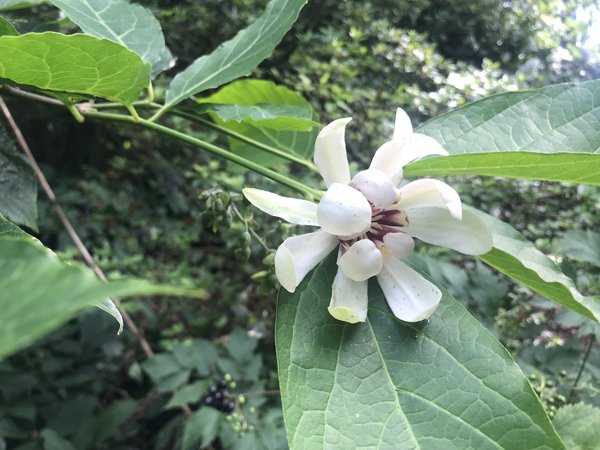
x=308 y=192
x=240 y=137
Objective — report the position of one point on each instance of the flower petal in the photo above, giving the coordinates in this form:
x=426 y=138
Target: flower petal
x=429 y=192
x=410 y=296
x=293 y=210
x=330 y=153
x=392 y=156
x=470 y=235
x=402 y=126
x=344 y=211
x=376 y=186
x=399 y=245
x=361 y=261
x=298 y=255
x=349 y=299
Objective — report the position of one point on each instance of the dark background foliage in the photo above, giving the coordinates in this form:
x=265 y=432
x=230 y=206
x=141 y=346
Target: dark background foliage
x=153 y=208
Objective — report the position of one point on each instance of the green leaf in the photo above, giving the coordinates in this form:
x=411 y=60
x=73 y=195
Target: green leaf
x=202 y=426
x=39 y=292
x=17 y=4
x=18 y=186
x=192 y=393
x=6 y=28
x=52 y=441
x=579 y=426
x=581 y=168
x=439 y=384
x=581 y=246
x=112 y=418
x=247 y=93
x=518 y=258
x=197 y=354
x=275 y=117
x=562 y=119
x=76 y=63
x=132 y=26
x=239 y=56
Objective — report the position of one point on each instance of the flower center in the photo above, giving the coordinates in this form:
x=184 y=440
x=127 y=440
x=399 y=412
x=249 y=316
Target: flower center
x=383 y=221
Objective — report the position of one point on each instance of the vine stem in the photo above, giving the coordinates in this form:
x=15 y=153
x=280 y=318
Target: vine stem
x=583 y=363
x=301 y=188
x=87 y=257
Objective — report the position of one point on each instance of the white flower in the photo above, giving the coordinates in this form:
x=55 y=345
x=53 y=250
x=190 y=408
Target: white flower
x=373 y=222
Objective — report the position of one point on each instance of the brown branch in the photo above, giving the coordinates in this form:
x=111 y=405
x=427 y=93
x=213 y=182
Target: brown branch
x=87 y=257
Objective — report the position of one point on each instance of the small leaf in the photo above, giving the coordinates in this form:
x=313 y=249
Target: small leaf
x=39 y=292
x=18 y=4
x=6 y=28
x=202 y=427
x=562 y=120
x=161 y=366
x=197 y=354
x=250 y=93
x=189 y=394
x=443 y=383
x=18 y=186
x=518 y=258
x=52 y=441
x=132 y=26
x=76 y=63
x=579 y=426
x=239 y=56
x=581 y=246
x=112 y=418
x=274 y=117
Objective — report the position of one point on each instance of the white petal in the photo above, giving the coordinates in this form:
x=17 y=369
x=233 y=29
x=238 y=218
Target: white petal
x=298 y=255
x=344 y=211
x=429 y=192
x=330 y=153
x=470 y=235
x=349 y=299
x=300 y=212
x=361 y=261
x=392 y=156
x=402 y=127
x=376 y=186
x=410 y=296
x=399 y=245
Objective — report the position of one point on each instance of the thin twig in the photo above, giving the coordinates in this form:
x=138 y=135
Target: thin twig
x=87 y=257
x=583 y=363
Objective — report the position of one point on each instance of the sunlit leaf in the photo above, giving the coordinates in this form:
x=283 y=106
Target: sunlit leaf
x=75 y=63
x=562 y=120
x=130 y=25
x=39 y=292
x=239 y=56
x=518 y=258
x=443 y=383
x=6 y=28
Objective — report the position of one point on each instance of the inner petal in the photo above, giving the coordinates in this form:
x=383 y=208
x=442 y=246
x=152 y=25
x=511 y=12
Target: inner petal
x=361 y=261
x=376 y=186
x=344 y=211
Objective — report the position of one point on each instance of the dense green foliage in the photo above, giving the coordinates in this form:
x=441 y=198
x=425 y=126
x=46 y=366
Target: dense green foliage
x=150 y=207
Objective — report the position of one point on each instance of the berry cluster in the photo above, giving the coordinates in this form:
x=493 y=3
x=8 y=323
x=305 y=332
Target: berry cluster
x=218 y=397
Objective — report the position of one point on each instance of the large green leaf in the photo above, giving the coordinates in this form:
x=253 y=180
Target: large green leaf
x=581 y=246
x=557 y=119
x=441 y=384
x=132 y=26
x=39 y=292
x=518 y=258
x=259 y=92
x=579 y=426
x=18 y=186
x=77 y=63
x=566 y=167
x=239 y=56
x=263 y=115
